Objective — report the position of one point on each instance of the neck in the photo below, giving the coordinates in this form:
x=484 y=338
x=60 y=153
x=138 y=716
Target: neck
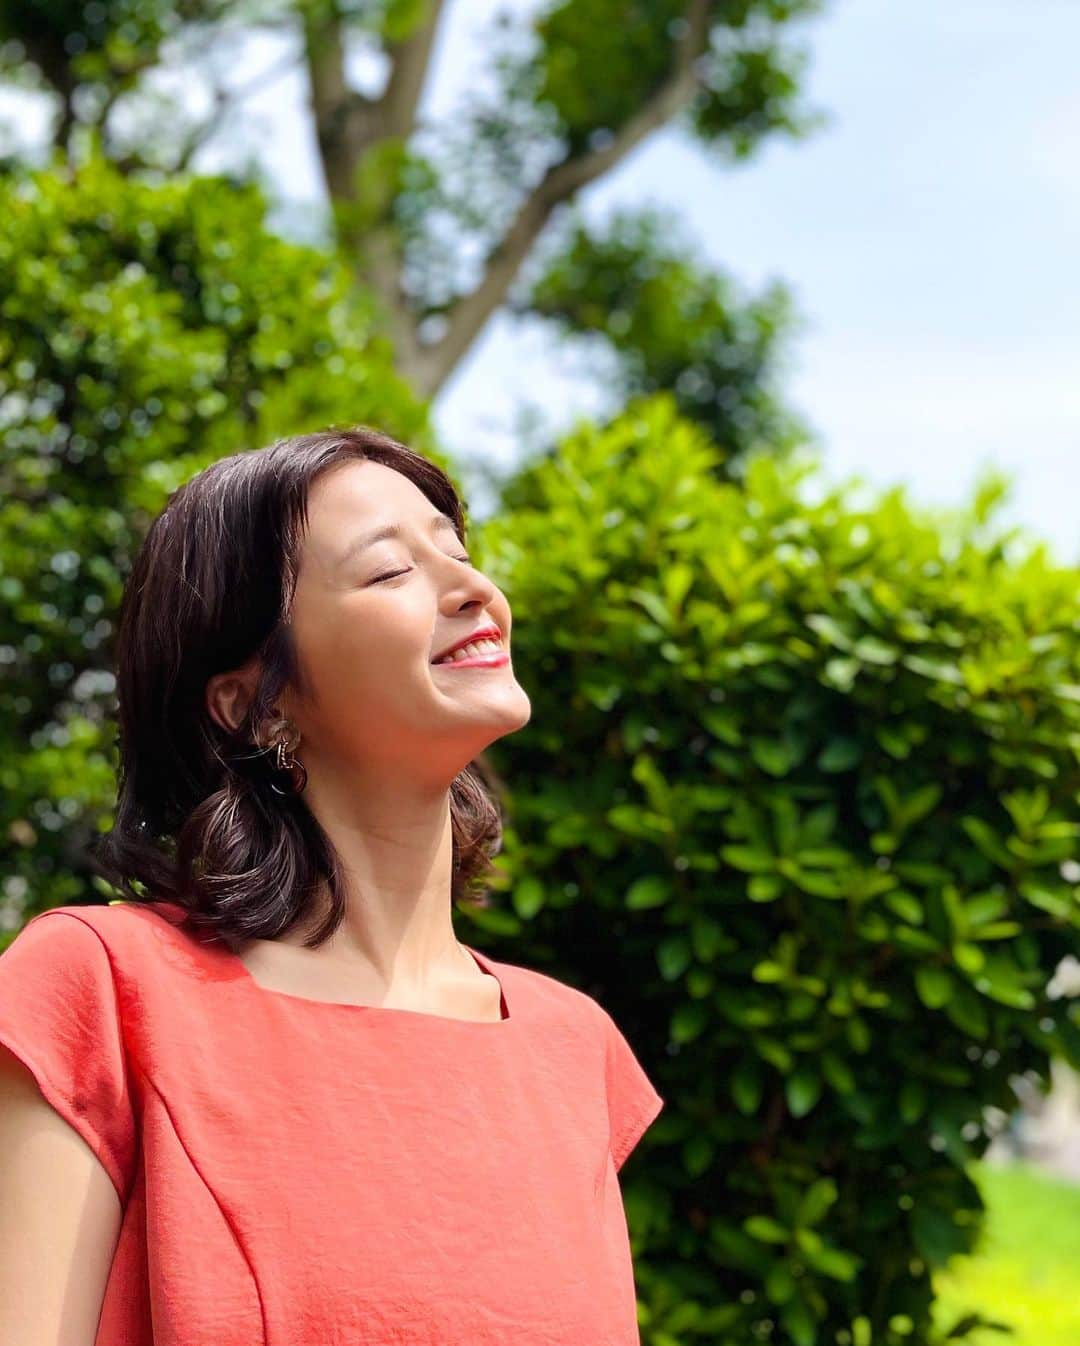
x=395 y=853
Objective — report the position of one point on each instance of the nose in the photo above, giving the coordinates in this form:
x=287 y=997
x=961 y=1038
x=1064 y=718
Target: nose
x=466 y=587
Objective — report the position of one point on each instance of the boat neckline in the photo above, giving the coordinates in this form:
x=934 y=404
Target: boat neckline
x=480 y=959
x=221 y=949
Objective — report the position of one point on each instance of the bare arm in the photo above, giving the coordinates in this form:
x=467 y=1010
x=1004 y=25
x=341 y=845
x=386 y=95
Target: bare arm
x=59 y=1220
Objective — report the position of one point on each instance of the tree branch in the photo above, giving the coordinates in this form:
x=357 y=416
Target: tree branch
x=348 y=126
x=393 y=118
x=408 y=70
x=333 y=104
x=563 y=180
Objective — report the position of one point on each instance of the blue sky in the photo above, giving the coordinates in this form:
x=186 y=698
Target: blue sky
x=929 y=233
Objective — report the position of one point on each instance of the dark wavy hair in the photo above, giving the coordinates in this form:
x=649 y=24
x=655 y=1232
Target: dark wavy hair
x=197 y=822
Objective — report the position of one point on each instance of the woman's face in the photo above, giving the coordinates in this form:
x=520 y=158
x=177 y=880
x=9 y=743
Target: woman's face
x=368 y=621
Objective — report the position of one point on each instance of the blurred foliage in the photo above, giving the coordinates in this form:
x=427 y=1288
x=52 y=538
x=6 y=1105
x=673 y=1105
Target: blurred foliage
x=446 y=220
x=145 y=330
x=802 y=808
x=675 y=324
x=749 y=79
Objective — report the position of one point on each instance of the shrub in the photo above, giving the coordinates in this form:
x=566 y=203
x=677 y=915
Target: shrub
x=798 y=801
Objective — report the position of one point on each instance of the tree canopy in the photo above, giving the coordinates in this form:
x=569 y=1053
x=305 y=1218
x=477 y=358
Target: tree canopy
x=446 y=223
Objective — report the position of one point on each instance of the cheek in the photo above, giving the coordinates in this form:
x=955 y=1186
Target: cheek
x=366 y=637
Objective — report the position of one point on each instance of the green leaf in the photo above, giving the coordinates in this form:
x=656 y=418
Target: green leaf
x=809 y=1240
x=779 y=1283
x=677 y=580
x=688 y=1021
x=835 y=1263
x=873 y=651
x=799 y=1323
x=774 y=1052
x=830 y=630
x=987 y=840
x=673 y=956
x=1057 y=900
x=654 y=605
x=722 y=724
x=819 y=824
x=893 y=739
x=707 y=937
x=747 y=1086
x=969 y=957
x=816 y=1200
x=934 y=985
x=998 y=930
x=764 y=888
x=748 y=858
x=528 y=896
x=765 y=1229
x=772 y=755
x=968 y=1013
x=938 y=670
x=921 y=802
x=825 y=857
x=802 y=1090
x=839 y=754
x=698 y=1152
x=650 y=890
x=1002 y=980
x=819 y=885
x=838 y=1073
x=980 y=907
x=858 y=1035
x=906 y=905
x=912 y=1101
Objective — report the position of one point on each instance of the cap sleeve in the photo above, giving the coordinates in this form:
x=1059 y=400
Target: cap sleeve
x=59 y=1016
x=633 y=1103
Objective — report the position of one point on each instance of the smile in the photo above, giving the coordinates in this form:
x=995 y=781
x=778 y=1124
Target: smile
x=480 y=654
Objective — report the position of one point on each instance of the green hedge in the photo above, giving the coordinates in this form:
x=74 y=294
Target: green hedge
x=799 y=801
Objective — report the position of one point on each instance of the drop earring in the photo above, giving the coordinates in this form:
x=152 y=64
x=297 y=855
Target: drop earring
x=281 y=738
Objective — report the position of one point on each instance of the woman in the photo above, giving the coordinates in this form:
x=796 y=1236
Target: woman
x=270 y=1094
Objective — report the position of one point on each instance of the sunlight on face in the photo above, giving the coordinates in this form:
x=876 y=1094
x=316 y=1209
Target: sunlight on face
x=371 y=613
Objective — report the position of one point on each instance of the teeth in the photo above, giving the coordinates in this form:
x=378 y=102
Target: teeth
x=467 y=651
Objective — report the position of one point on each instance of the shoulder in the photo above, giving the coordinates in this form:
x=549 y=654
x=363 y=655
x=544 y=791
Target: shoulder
x=120 y=936
x=112 y=924
x=63 y=933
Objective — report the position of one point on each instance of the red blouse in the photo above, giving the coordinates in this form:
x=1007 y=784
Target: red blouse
x=301 y=1173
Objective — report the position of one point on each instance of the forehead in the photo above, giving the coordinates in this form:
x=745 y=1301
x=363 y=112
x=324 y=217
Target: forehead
x=354 y=504
x=360 y=494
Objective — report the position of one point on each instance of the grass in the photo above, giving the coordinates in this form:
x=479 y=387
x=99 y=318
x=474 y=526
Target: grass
x=1026 y=1271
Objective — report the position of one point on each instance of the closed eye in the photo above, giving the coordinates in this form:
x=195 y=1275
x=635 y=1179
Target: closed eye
x=394 y=573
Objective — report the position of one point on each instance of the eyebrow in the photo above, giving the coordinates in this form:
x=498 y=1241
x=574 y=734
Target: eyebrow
x=436 y=524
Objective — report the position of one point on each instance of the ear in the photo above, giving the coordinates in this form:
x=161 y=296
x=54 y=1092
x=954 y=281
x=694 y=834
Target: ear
x=228 y=695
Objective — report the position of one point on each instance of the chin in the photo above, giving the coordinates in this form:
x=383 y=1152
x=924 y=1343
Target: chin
x=513 y=713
